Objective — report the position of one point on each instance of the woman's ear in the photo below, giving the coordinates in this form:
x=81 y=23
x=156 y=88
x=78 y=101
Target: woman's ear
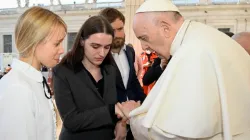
x=166 y=29
x=82 y=42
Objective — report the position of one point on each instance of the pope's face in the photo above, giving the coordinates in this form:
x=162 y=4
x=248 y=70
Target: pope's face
x=150 y=35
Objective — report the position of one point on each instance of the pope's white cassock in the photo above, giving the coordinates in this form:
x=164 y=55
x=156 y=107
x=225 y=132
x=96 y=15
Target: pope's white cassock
x=203 y=94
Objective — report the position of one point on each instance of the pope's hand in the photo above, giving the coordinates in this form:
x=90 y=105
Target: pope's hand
x=127 y=107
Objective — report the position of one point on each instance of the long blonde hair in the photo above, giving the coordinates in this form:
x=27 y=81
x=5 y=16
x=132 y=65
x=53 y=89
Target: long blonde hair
x=32 y=28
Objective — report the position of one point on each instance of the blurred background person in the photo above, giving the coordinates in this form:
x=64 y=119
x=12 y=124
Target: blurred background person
x=243 y=39
x=8 y=68
x=148 y=58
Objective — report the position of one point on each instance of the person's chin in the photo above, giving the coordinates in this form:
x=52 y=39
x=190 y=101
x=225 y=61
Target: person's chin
x=117 y=46
x=97 y=63
x=57 y=60
x=52 y=64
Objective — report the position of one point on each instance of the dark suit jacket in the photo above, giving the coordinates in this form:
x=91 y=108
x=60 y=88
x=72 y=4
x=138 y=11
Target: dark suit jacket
x=85 y=114
x=153 y=73
x=134 y=90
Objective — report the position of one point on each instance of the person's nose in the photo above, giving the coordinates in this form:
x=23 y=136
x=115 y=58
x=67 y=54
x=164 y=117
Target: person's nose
x=144 y=46
x=61 y=49
x=102 y=52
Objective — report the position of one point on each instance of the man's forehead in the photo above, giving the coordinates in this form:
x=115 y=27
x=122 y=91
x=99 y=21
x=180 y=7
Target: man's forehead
x=141 y=15
x=117 y=24
x=142 y=21
x=141 y=31
x=137 y=26
x=139 y=20
x=147 y=17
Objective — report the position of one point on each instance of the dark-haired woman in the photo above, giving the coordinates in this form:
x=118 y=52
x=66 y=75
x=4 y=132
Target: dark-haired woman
x=84 y=84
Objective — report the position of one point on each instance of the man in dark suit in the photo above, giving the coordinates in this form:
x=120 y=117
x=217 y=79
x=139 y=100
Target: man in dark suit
x=127 y=84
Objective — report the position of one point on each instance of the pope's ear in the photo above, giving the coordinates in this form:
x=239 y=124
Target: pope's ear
x=166 y=29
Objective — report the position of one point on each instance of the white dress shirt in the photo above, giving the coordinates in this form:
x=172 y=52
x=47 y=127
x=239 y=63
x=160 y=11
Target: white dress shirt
x=25 y=112
x=203 y=94
x=121 y=61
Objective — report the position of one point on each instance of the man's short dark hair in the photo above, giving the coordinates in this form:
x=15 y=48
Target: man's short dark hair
x=111 y=14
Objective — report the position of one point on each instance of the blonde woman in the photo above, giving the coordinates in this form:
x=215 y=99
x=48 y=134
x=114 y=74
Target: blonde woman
x=26 y=109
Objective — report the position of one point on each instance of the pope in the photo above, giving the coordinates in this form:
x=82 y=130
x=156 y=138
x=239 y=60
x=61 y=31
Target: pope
x=204 y=93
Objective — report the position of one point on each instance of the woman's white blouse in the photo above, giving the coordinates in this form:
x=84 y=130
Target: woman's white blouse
x=25 y=112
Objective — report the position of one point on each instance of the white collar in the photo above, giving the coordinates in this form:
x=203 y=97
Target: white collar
x=123 y=48
x=179 y=37
x=27 y=69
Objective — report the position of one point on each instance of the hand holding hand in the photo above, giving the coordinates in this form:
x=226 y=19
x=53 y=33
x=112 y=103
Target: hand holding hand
x=118 y=112
x=127 y=107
